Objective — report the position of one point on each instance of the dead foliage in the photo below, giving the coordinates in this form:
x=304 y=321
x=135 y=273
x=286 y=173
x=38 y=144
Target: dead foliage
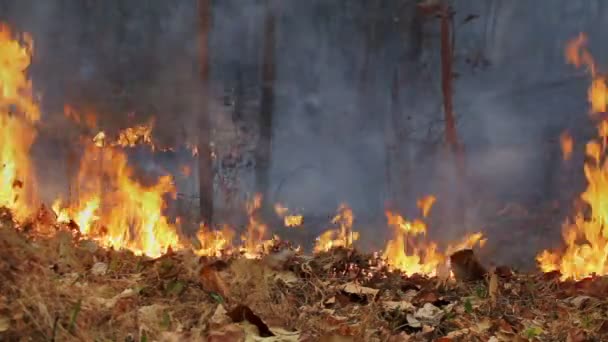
x=58 y=287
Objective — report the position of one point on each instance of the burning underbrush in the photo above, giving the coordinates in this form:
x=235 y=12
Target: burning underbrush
x=66 y=287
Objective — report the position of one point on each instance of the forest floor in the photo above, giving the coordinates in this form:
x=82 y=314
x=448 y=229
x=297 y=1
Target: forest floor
x=60 y=288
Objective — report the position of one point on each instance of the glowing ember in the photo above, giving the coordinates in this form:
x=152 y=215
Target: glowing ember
x=342 y=237
x=18 y=113
x=567 y=144
x=586 y=236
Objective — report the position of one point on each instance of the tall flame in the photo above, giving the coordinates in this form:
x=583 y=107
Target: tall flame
x=586 y=236
x=18 y=113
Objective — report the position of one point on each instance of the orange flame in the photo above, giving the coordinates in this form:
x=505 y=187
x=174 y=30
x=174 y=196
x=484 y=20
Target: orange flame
x=342 y=237
x=256 y=229
x=18 y=113
x=586 y=237
x=288 y=220
x=118 y=211
x=567 y=145
x=214 y=242
x=412 y=256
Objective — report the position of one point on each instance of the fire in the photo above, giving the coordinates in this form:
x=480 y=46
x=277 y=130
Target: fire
x=256 y=229
x=342 y=237
x=586 y=236
x=288 y=220
x=132 y=136
x=293 y=220
x=118 y=211
x=214 y=242
x=567 y=144
x=411 y=256
x=18 y=113
x=579 y=56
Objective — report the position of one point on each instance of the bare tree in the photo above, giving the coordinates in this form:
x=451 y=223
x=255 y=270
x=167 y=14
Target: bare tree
x=263 y=149
x=205 y=167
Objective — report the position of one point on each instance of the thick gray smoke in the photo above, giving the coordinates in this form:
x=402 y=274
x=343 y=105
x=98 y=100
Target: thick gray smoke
x=514 y=95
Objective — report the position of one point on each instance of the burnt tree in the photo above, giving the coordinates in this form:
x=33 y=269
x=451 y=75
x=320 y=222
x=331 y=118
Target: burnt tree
x=263 y=148
x=205 y=162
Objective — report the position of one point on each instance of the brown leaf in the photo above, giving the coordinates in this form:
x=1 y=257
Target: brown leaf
x=213 y=282
x=244 y=313
x=493 y=288
x=466 y=267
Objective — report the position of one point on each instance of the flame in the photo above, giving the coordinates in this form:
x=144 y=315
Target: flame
x=586 y=236
x=256 y=229
x=410 y=255
x=293 y=220
x=214 y=242
x=425 y=204
x=288 y=220
x=342 y=237
x=567 y=145
x=578 y=55
x=18 y=113
x=118 y=211
x=139 y=134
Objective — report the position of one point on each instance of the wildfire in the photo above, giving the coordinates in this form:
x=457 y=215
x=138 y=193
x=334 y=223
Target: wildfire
x=344 y=236
x=586 y=236
x=18 y=113
x=411 y=256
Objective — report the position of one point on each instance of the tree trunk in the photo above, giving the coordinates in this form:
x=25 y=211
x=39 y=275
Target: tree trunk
x=451 y=135
x=263 y=149
x=205 y=163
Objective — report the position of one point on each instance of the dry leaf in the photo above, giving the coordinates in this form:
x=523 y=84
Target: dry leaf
x=493 y=288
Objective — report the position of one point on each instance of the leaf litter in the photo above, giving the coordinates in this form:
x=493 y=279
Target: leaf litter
x=61 y=288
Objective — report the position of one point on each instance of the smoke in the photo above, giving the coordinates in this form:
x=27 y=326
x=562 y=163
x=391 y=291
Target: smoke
x=514 y=95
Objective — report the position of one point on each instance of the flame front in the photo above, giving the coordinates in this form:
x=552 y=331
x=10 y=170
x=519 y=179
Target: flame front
x=18 y=113
x=586 y=236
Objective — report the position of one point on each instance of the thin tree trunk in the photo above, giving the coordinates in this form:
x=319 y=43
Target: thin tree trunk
x=205 y=163
x=264 y=145
x=451 y=135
